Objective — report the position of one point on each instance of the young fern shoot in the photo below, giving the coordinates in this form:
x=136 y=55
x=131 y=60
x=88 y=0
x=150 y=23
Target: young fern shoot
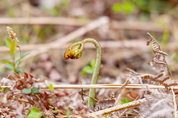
x=75 y=53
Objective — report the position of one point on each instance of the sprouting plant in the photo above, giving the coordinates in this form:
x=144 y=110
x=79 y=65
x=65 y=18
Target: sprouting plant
x=67 y=113
x=126 y=100
x=74 y=52
x=30 y=91
x=34 y=113
x=127 y=6
x=12 y=44
x=51 y=87
x=89 y=69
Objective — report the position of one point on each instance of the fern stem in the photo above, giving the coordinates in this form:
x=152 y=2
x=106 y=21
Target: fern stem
x=92 y=92
x=76 y=53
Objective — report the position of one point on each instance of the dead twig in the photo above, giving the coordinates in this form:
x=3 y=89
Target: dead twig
x=123 y=112
x=137 y=43
x=117 y=108
x=44 y=20
x=105 y=86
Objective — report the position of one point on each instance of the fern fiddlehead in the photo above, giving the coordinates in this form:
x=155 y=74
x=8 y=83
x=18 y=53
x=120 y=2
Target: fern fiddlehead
x=75 y=53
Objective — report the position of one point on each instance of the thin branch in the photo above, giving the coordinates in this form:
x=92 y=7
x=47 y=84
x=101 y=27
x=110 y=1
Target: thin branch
x=124 y=25
x=133 y=43
x=121 y=89
x=117 y=108
x=105 y=86
x=123 y=113
x=44 y=20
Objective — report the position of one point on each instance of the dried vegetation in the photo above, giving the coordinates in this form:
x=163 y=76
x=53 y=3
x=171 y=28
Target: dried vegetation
x=123 y=43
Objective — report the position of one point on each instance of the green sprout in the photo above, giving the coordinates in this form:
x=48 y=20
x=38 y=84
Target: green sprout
x=34 y=113
x=126 y=100
x=74 y=52
x=67 y=113
x=12 y=44
x=30 y=91
x=127 y=6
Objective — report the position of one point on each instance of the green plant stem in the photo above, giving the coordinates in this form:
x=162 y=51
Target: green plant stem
x=70 y=53
x=92 y=93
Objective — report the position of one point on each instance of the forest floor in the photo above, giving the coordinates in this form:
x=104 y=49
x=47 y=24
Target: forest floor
x=46 y=30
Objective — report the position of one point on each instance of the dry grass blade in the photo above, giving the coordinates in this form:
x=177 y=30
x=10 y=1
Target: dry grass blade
x=44 y=20
x=133 y=43
x=104 y=86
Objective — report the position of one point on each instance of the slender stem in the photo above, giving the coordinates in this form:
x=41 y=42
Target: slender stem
x=76 y=53
x=92 y=92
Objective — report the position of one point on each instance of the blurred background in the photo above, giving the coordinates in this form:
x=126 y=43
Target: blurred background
x=45 y=28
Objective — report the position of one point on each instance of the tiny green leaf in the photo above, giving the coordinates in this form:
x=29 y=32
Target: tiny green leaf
x=51 y=87
x=88 y=70
x=21 y=57
x=5 y=89
x=67 y=113
x=117 y=7
x=127 y=100
x=92 y=63
x=106 y=115
x=65 y=3
x=26 y=91
x=34 y=113
x=35 y=90
x=7 y=62
x=8 y=42
x=13 y=50
x=83 y=72
x=0 y=88
x=19 y=70
x=123 y=101
x=9 y=67
x=128 y=7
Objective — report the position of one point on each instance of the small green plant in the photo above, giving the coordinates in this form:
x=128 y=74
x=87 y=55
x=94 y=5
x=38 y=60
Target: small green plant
x=12 y=44
x=126 y=100
x=74 y=52
x=30 y=91
x=67 y=113
x=106 y=115
x=34 y=113
x=89 y=68
x=127 y=6
x=51 y=87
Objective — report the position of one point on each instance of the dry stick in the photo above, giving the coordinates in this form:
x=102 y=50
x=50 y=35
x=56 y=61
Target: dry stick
x=133 y=43
x=44 y=20
x=117 y=108
x=105 y=86
x=61 y=41
x=123 y=113
x=126 y=25
x=122 y=87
